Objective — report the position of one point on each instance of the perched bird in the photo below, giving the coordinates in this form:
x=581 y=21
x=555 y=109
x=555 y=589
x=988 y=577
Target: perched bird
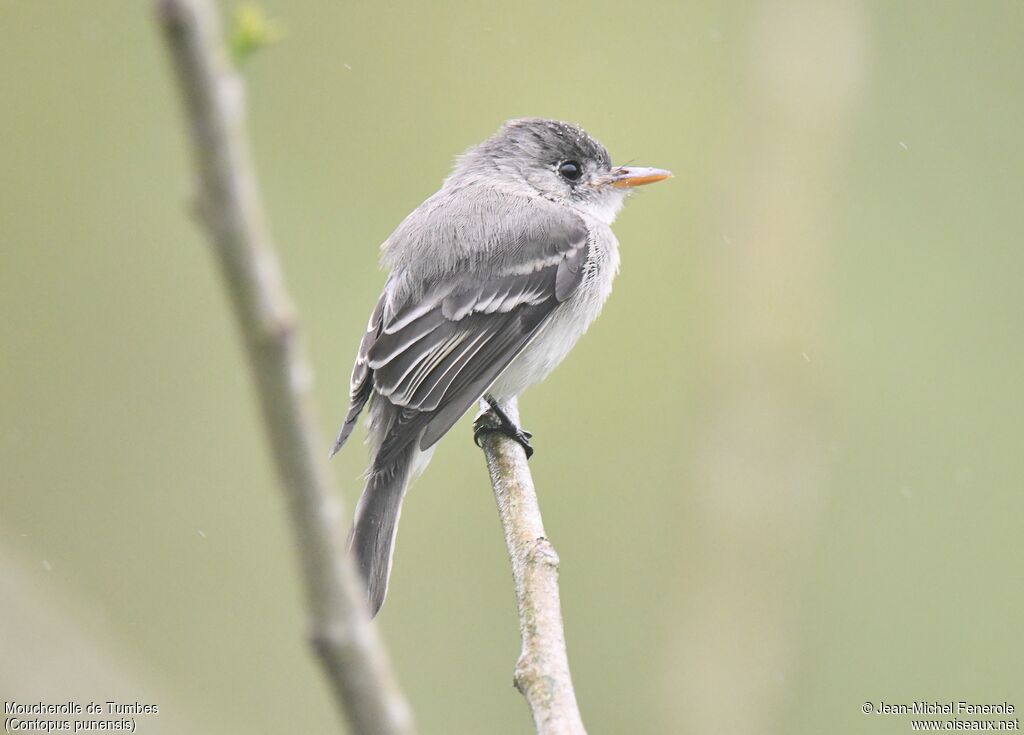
x=492 y=280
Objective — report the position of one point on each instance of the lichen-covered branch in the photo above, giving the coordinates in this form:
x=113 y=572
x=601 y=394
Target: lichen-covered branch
x=542 y=671
x=227 y=204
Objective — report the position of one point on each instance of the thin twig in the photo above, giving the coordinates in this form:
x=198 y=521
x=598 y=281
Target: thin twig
x=227 y=203
x=542 y=671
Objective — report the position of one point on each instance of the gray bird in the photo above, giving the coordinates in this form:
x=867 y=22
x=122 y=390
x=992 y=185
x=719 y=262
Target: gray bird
x=492 y=280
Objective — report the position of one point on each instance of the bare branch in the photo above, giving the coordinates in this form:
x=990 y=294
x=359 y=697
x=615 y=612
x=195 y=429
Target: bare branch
x=227 y=202
x=542 y=671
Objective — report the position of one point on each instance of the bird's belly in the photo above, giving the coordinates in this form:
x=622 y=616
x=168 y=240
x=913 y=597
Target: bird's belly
x=559 y=335
x=540 y=357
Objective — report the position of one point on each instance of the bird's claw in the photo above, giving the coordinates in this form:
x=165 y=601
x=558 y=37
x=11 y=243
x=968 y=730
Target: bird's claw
x=497 y=422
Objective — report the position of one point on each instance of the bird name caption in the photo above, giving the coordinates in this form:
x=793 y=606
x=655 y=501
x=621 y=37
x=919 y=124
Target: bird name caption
x=951 y=715
x=70 y=716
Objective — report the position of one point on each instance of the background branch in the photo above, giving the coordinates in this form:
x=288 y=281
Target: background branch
x=542 y=671
x=228 y=205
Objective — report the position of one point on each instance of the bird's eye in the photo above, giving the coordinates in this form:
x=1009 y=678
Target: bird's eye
x=570 y=170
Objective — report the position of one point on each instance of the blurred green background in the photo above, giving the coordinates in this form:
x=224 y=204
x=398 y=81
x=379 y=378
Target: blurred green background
x=783 y=471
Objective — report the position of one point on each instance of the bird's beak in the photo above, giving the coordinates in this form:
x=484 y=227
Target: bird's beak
x=629 y=176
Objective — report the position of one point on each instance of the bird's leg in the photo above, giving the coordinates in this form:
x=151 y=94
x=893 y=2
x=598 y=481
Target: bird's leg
x=503 y=425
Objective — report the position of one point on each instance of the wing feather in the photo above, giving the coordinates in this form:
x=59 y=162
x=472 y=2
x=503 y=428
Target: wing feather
x=487 y=365
x=448 y=381
x=435 y=354
x=390 y=344
x=361 y=383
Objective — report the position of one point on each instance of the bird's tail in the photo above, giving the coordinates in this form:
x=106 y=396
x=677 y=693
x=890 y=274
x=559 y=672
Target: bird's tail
x=372 y=538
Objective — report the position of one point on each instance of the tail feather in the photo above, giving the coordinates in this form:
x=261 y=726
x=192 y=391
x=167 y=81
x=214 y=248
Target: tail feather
x=395 y=459
x=372 y=539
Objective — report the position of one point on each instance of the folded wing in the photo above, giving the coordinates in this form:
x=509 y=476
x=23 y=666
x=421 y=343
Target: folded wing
x=436 y=355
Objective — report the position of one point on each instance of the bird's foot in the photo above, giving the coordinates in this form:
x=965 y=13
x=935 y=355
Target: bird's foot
x=497 y=421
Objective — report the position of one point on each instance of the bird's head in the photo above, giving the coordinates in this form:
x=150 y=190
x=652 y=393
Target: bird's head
x=554 y=159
